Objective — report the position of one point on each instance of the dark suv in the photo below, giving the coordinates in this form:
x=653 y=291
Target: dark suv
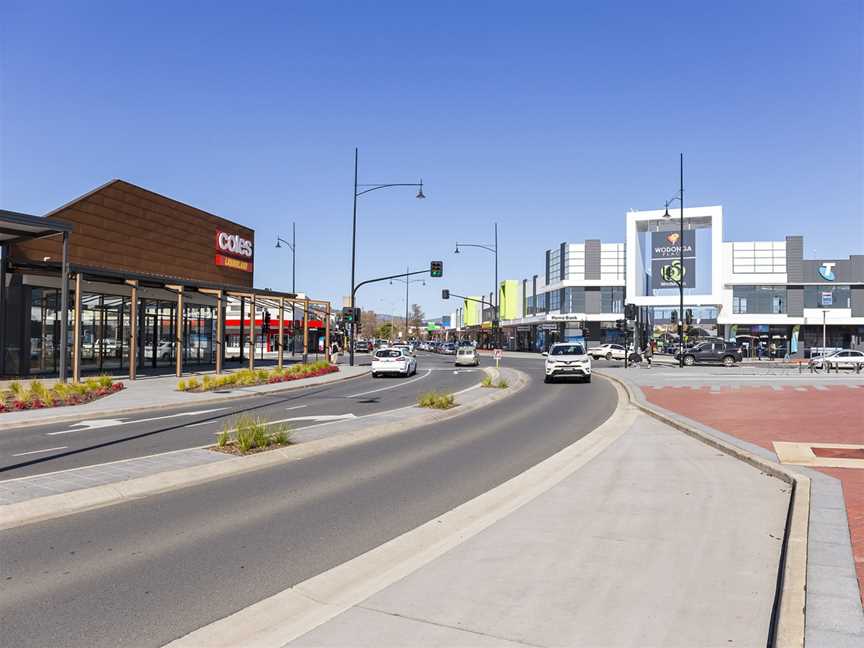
x=704 y=352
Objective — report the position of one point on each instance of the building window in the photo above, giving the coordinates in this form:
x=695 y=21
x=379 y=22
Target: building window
x=612 y=299
x=574 y=300
x=763 y=300
x=540 y=303
x=827 y=297
x=553 y=300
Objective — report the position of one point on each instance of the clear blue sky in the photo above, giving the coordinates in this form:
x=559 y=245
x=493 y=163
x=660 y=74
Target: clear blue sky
x=551 y=118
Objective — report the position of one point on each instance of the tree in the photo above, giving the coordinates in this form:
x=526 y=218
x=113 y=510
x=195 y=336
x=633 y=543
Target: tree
x=415 y=319
x=385 y=331
x=368 y=322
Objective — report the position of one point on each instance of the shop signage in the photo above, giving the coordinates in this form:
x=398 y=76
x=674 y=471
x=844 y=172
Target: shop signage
x=826 y=271
x=568 y=317
x=827 y=298
x=233 y=251
x=666 y=268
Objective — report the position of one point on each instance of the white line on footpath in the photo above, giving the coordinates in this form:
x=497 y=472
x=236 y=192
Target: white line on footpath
x=401 y=384
x=21 y=454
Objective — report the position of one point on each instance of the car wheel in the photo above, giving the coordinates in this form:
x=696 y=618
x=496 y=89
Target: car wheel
x=547 y=379
x=587 y=379
x=689 y=360
x=609 y=356
x=374 y=375
x=728 y=361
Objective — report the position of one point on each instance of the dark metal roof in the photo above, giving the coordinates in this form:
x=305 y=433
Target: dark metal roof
x=15 y=226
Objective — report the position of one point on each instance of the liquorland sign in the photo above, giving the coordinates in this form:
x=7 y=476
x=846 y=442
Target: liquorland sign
x=233 y=251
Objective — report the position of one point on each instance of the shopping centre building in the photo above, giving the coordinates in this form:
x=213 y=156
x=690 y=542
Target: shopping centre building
x=757 y=293
x=150 y=284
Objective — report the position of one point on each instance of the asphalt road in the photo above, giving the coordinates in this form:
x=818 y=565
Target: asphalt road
x=60 y=446
x=145 y=572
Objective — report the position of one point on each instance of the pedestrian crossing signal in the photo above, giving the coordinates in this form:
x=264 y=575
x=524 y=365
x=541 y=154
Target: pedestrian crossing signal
x=436 y=269
x=445 y=294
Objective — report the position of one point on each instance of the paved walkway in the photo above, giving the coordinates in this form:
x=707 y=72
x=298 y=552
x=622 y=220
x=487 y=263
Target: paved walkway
x=807 y=413
x=658 y=541
x=146 y=393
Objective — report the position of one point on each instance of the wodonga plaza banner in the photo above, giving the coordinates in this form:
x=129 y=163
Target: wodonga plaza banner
x=666 y=269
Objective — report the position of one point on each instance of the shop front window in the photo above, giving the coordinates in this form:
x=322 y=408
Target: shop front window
x=827 y=297
x=758 y=299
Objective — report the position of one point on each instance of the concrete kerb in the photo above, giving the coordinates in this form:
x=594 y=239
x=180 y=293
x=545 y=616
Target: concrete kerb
x=355 y=431
x=788 y=624
x=79 y=416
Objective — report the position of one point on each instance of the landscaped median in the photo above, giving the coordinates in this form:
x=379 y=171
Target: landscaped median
x=252 y=377
x=264 y=444
x=36 y=395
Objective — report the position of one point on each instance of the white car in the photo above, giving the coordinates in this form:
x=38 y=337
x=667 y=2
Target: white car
x=608 y=351
x=393 y=361
x=567 y=360
x=467 y=356
x=845 y=359
x=405 y=347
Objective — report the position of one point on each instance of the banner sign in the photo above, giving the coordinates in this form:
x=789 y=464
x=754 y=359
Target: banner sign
x=666 y=269
x=236 y=264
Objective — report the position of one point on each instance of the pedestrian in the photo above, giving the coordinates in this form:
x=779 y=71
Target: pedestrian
x=773 y=349
x=759 y=351
x=648 y=352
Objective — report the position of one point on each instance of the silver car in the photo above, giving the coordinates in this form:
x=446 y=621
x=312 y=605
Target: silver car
x=466 y=356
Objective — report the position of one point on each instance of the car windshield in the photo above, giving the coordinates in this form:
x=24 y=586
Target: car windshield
x=567 y=349
x=388 y=353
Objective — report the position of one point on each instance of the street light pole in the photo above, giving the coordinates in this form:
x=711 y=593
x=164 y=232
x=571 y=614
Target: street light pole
x=493 y=248
x=366 y=189
x=680 y=279
x=293 y=247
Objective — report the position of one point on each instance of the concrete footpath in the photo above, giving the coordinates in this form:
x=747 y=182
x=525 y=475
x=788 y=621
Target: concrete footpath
x=636 y=535
x=161 y=391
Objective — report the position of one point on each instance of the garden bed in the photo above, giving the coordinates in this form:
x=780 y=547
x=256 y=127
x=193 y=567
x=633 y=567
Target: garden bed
x=250 y=435
x=36 y=395
x=251 y=377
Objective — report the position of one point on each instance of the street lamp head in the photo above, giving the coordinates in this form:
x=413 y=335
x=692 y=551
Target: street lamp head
x=420 y=194
x=456 y=251
x=278 y=245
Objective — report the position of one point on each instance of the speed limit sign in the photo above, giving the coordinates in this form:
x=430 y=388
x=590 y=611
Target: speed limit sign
x=497 y=355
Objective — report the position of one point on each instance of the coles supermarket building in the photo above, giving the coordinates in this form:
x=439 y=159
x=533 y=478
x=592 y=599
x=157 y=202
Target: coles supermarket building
x=753 y=292
x=123 y=279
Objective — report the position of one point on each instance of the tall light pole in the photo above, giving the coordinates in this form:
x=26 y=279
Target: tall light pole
x=493 y=248
x=407 y=283
x=293 y=247
x=359 y=190
x=680 y=280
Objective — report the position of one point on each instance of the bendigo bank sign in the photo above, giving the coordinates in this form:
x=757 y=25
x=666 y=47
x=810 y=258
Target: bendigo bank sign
x=233 y=251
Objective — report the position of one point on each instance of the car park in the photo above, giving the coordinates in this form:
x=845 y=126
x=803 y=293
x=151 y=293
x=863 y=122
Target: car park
x=726 y=353
x=467 y=356
x=607 y=351
x=393 y=361
x=567 y=360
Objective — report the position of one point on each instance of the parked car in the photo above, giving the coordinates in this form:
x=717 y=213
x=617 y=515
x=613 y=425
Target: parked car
x=567 y=360
x=608 y=351
x=725 y=353
x=467 y=356
x=361 y=346
x=845 y=359
x=393 y=361
x=448 y=349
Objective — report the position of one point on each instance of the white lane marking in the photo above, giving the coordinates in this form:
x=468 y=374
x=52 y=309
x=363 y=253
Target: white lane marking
x=103 y=423
x=21 y=454
x=407 y=382
x=296 y=407
x=320 y=417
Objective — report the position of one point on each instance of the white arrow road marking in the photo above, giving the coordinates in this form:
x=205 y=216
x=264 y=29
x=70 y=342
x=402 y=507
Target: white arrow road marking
x=406 y=382
x=320 y=417
x=102 y=423
x=21 y=454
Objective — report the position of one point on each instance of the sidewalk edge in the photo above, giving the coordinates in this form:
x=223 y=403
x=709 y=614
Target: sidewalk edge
x=788 y=619
x=68 y=418
x=49 y=507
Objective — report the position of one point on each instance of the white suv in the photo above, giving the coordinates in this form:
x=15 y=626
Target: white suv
x=566 y=360
x=386 y=361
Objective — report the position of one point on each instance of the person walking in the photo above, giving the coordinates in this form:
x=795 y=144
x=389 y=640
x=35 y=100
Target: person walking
x=648 y=353
x=773 y=349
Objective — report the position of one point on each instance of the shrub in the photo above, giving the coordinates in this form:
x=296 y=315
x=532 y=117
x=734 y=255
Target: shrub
x=105 y=381
x=193 y=384
x=281 y=435
x=16 y=389
x=436 y=400
x=181 y=385
x=503 y=384
x=487 y=381
x=224 y=437
x=207 y=382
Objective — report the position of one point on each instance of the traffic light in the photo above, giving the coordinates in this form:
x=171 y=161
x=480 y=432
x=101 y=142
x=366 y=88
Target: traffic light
x=630 y=311
x=266 y=323
x=436 y=269
x=674 y=316
x=445 y=294
x=621 y=325
x=350 y=315
x=688 y=316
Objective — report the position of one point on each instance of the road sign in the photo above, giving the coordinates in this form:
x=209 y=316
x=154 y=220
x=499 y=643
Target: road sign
x=497 y=354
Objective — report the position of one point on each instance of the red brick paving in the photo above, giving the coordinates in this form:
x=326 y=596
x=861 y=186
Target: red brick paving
x=761 y=415
x=838 y=453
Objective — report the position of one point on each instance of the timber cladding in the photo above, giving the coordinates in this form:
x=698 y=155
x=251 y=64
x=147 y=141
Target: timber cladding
x=127 y=229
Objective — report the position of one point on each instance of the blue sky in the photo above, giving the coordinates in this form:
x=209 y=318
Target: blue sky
x=551 y=118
